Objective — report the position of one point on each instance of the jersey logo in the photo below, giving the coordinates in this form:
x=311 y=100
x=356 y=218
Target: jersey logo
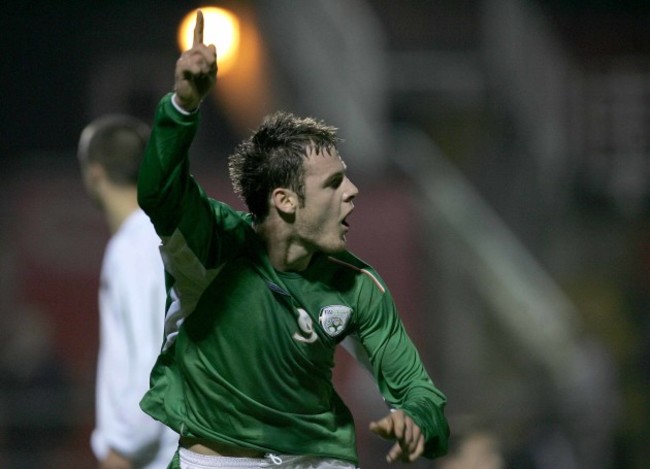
x=306 y=326
x=334 y=319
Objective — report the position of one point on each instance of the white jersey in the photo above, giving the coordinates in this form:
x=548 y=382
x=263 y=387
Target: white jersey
x=132 y=311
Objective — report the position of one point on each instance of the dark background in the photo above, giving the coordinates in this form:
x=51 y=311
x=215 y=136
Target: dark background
x=536 y=113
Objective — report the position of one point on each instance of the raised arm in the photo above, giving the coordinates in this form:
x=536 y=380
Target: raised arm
x=196 y=70
x=165 y=189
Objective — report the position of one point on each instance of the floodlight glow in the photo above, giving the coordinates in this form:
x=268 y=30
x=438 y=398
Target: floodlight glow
x=221 y=28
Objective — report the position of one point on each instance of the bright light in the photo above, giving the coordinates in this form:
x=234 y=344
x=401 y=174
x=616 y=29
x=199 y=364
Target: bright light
x=221 y=29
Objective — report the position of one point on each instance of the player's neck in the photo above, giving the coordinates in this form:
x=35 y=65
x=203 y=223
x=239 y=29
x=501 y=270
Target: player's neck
x=119 y=204
x=286 y=253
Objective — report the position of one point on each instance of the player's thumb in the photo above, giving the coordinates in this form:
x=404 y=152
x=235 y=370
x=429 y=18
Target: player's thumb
x=382 y=427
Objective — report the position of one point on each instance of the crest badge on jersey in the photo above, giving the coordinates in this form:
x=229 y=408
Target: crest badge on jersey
x=334 y=319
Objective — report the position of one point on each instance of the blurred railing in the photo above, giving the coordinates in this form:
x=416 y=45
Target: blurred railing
x=513 y=347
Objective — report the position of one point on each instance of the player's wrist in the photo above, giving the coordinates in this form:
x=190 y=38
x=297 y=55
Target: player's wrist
x=185 y=108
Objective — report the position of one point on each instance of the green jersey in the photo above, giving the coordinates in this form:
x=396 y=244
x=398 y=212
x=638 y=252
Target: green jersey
x=248 y=352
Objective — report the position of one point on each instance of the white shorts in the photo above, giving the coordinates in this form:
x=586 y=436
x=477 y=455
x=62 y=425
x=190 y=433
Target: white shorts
x=191 y=460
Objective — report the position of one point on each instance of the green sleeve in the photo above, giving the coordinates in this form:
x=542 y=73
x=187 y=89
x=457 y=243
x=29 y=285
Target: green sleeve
x=176 y=204
x=399 y=372
x=164 y=181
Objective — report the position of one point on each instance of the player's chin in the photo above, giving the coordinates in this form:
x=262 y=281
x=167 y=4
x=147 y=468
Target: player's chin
x=335 y=246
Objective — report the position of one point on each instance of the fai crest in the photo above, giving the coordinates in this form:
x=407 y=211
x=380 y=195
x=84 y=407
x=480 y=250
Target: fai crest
x=334 y=319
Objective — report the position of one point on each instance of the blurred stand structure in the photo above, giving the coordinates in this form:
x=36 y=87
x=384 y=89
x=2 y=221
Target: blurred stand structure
x=502 y=154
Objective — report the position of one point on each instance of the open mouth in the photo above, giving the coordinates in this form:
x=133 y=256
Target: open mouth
x=344 y=222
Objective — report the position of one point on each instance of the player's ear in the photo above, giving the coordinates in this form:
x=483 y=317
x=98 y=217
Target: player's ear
x=284 y=200
x=93 y=172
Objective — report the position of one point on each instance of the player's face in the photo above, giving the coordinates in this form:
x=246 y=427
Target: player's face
x=321 y=220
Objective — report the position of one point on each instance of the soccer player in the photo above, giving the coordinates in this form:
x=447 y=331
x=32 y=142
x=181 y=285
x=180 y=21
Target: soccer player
x=258 y=301
x=131 y=299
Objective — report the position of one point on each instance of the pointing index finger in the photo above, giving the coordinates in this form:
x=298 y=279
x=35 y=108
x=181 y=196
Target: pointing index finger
x=198 y=29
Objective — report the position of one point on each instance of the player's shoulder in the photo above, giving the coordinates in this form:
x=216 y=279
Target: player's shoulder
x=135 y=238
x=345 y=264
x=229 y=216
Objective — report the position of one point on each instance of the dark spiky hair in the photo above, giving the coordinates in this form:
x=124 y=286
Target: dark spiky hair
x=273 y=157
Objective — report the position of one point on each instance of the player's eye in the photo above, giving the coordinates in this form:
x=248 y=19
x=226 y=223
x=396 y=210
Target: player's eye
x=336 y=182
